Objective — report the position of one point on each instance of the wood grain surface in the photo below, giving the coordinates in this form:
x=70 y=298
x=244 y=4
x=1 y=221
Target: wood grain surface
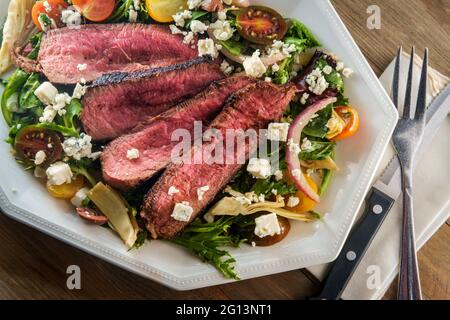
x=33 y=265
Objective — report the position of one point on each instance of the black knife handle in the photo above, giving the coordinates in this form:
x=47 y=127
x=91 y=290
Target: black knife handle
x=378 y=205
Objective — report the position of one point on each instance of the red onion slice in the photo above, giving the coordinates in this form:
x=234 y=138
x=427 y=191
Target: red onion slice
x=295 y=133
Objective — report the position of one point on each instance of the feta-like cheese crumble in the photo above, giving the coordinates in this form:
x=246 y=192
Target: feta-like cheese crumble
x=304 y=98
x=207 y=47
x=46 y=93
x=198 y=27
x=40 y=157
x=317 y=82
x=78 y=148
x=278 y=175
x=293 y=147
x=278 y=131
x=339 y=66
x=293 y=202
x=201 y=191
x=259 y=168
x=327 y=69
x=79 y=197
x=81 y=66
x=253 y=66
x=306 y=144
x=78 y=91
x=181 y=17
x=71 y=17
x=194 y=4
x=226 y=68
x=132 y=15
x=267 y=225
x=222 y=30
x=182 y=211
x=133 y=154
x=297 y=173
x=47 y=6
x=188 y=38
x=59 y=173
x=172 y=190
x=347 y=72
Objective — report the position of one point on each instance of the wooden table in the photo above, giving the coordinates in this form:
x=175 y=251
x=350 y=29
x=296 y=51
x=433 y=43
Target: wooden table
x=33 y=265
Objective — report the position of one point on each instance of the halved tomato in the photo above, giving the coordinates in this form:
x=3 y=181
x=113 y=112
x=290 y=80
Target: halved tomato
x=163 y=10
x=306 y=203
x=351 y=119
x=260 y=24
x=67 y=190
x=30 y=140
x=95 y=10
x=52 y=9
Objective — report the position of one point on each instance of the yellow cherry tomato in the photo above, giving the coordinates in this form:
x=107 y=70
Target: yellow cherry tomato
x=163 y=10
x=67 y=190
x=351 y=119
x=306 y=204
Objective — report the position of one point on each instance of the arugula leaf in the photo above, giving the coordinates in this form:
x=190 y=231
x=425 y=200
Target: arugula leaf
x=317 y=127
x=36 y=43
x=121 y=11
x=83 y=167
x=197 y=15
x=207 y=240
x=319 y=150
x=10 y=97
x=27 y=98
x=265 y=187
x=59 y=128
x=326 y=180
x=283 y=75
x=45 y=20
x=141 y=237
x=300 y=36
x=235 y=47
x=73 y=111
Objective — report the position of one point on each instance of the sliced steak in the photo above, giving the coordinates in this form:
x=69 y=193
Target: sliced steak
x=117 y=102
x=106 y=48
x=154 y=139
x=254 y=107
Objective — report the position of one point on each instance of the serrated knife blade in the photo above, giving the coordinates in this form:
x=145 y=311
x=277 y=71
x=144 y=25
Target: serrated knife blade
x=389 y=182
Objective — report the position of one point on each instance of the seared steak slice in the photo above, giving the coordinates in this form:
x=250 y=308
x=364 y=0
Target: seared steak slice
x=106 y=48
x=254 y=107
x=117 y=102
x=154 y=138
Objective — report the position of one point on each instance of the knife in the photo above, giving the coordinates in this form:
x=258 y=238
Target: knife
x=380 y=199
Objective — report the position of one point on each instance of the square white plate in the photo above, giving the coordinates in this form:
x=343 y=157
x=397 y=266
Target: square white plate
x=306 y=245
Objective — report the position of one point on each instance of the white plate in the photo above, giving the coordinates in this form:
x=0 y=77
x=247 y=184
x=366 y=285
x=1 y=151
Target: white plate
x=306 y=245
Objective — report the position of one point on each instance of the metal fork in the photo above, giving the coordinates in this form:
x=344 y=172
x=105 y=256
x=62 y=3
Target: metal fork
x=407 y=136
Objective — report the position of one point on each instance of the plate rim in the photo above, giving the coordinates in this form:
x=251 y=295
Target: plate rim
x=280 y=265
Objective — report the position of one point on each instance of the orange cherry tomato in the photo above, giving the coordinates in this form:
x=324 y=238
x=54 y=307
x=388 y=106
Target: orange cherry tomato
x=67 y=190
x=95 y=10
x=306 y=203
x=351 y=119
x=54 y=11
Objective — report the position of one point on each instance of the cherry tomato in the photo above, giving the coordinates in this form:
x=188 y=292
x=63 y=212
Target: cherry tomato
x=351 y=119
x=30 y=140
x=260 y=24
x=163 y=10
x=306 y=203
x=95 y=10
x=285 y=227
x=54 y=11
x=67 y=190
x=92 y=216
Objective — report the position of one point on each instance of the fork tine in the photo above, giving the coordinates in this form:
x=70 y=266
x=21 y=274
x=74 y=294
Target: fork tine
x=396 y=79
x=407 y=105
x=422 y=94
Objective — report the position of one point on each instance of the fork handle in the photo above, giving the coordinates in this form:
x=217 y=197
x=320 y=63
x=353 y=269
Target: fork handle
x=409 y=283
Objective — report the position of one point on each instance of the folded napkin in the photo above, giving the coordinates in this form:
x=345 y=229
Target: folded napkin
x=431 y=199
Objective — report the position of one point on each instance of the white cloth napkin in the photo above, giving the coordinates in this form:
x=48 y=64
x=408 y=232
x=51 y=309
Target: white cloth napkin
x=431 y=201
